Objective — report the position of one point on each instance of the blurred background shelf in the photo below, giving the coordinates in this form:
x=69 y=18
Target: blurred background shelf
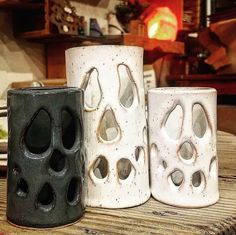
x=31 y=21
x=224 y=84
x=19 y=5
x=226 y=99
x=44 y=82
x=153 y=49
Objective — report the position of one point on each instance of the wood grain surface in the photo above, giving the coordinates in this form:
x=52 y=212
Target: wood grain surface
x=154 y=217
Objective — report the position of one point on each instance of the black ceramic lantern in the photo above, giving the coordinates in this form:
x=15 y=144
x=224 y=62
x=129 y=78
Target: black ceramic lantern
x=45 y=156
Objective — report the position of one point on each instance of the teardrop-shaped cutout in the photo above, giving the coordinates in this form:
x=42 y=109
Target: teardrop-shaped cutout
x=140 y=154
x=199 y=120
x=100 y=167
x=177 y=177
x=57 y=161
x=124 y=167
x=153 y=151
x=108 y=129
x=164 y=164
x=198 y=179
x=46 y=198
x=69 y=128
x=74 y=191
x=186 y=152
x=92 y=90
x=22 y=188
x=128 y=89
x=37 y=137
x=173 y=123
x=213 y=167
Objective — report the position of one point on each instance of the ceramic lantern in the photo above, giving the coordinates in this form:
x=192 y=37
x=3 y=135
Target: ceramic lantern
x=115 y=124
x=182 y=138
x=45 y=157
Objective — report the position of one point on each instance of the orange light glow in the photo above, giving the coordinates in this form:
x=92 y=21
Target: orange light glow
x=162 y=24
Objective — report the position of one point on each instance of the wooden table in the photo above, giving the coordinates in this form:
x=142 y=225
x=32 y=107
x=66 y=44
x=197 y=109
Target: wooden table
x=154 y=217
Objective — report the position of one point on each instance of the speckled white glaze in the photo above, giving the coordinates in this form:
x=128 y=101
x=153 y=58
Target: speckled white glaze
x=111 y=191
x=165 y=157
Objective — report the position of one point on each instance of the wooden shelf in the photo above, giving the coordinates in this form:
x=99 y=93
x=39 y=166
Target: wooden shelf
x=56 y=46
x=36 y=34
x=34 y=25
x=30 y=19
x=60 y=38
x=126 y=39
x=19 y=5
x=45 y=82
x=203 y=77
x=224 y=15
x=153 y=49
x=224 y=84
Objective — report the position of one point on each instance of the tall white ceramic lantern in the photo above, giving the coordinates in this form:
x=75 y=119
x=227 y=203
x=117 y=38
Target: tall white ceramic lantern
x=182 y=138
x=115 y=125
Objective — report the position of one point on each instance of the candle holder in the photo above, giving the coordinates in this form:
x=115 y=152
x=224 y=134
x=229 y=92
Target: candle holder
x=45 y=157
x=182 y=138
x=115 y=124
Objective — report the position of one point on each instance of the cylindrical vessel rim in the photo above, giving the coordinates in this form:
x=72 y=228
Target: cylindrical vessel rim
x=181 y=90
x=43 y=90
x=103 y=46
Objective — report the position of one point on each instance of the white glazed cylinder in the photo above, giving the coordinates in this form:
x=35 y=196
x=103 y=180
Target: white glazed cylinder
x=182 y=143
x=115 y=125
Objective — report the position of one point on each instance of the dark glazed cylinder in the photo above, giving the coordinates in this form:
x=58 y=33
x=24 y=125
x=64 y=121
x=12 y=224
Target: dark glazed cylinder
x=45 y=156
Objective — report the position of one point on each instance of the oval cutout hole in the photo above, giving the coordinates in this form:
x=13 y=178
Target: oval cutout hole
x=22 y=188
x=69 y=128
x=213 y=168
x=46 y=197
x=186 y=151
x=199 y=120
x=92 y=89
x=198 y=179
x=108 y=129
x=177 y=177
x=128 y=89
x=73 y=192
x=164 y=164
x=140 y=154
x=37 y=137
x=174 y=122
x=100 y=167
x=57 y=161
x=124 y=167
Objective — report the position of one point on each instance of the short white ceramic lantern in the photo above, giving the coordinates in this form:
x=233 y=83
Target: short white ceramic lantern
x=115 y=124
x=182 y=138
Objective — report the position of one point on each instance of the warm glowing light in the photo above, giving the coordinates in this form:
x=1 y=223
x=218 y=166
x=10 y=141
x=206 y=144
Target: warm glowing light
x=162 y=24
x=152 y=30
